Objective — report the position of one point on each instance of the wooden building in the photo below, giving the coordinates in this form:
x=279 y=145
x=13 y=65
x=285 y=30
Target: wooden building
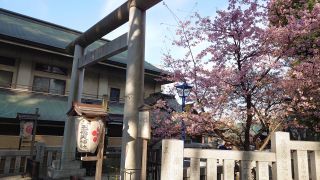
x=35 y=73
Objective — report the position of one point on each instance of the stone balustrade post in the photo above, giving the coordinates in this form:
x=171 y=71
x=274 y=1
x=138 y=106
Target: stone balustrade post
x=172 y=159
x=280 y=145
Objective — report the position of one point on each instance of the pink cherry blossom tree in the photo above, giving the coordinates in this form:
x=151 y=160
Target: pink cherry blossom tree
x=235 y=70
x=296 y=30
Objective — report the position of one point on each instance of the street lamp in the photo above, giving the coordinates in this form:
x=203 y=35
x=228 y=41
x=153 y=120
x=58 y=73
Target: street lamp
x=183 y=92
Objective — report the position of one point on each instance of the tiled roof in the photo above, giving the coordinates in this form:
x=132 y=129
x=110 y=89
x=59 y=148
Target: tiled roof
x=52 y=108
x=39 y=32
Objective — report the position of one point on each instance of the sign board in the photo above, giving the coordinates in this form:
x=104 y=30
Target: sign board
x=144 y=125
x=27 y=128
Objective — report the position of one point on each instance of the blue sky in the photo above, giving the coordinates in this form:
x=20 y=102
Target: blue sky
x=82 y=14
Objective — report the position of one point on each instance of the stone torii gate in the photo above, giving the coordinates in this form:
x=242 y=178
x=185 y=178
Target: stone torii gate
x=134 y=12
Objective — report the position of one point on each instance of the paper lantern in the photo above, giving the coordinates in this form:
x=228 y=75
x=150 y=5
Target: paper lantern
x=88 y=134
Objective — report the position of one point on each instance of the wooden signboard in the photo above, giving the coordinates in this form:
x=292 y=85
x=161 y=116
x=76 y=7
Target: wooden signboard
x=28 y=128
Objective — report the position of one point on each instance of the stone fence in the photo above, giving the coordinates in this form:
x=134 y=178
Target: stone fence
x=298 y=160
x=14 y=162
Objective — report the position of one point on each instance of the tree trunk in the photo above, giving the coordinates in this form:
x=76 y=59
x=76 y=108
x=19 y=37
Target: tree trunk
x=248 y=124
x=269 y=137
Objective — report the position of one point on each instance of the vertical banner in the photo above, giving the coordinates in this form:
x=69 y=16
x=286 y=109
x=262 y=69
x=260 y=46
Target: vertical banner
x=26 y=129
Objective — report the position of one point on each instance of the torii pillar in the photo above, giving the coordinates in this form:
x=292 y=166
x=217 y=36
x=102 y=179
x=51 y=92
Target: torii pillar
x=67 y=166
x=69 y=144
x=131 y=152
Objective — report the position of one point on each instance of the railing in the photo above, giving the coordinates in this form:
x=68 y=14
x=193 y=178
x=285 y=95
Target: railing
x=45 y=155
x=223 y=164
x=31 y=89
x=14 y=162
x=24 y=88
x=154 y=164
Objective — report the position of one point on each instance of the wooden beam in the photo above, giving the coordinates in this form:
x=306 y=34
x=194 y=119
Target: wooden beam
x=91 y=158
x=100 y=155
x=108 y=50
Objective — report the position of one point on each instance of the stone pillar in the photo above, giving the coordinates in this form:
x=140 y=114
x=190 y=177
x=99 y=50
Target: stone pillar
x=144 y=132
x=300 y=159
x=228 y=169
x=211 y=169
x=80 y=83
x=73 y=94
x=280 y=145
x=315 y=164
x=262 y=170
x=172 y=159
x=131 y=151
x=69 y=138
x=67 y=166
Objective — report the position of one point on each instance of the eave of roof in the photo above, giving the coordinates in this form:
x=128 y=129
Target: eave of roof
x=28 y=30
x=51 y=107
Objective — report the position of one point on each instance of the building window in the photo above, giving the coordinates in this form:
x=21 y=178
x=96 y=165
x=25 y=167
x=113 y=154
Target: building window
x=5 y=78
x=114 y=94
x=7 y=61
x=49 y=85
x=51 y=69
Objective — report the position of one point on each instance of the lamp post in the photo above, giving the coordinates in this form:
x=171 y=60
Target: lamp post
x=183 y=92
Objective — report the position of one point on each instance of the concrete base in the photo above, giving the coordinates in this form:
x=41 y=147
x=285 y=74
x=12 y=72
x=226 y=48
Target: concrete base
x=71 y=168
